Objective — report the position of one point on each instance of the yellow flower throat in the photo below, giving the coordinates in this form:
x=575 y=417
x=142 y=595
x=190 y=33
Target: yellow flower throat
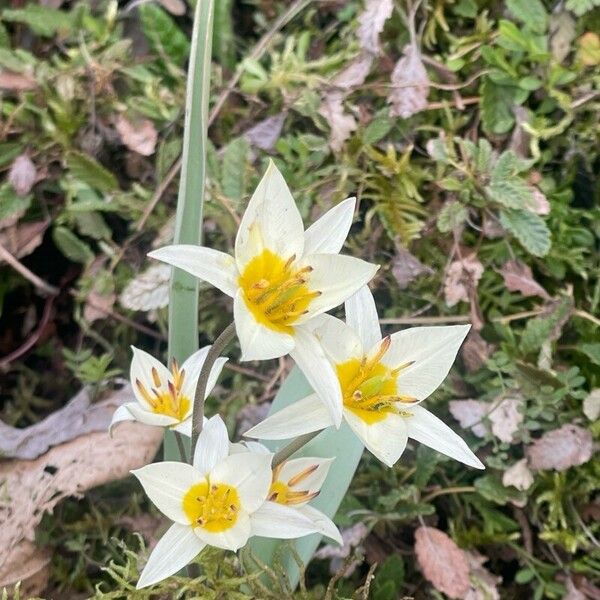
x=282 y=492
x=213 y=507
x=170 y=402
x=276 y=292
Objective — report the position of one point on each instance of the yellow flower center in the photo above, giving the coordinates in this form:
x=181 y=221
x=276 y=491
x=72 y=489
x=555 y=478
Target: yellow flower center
x=275 y=291
x=370 y=388
x=169 y=401
x=282 y=492
x=213 y=507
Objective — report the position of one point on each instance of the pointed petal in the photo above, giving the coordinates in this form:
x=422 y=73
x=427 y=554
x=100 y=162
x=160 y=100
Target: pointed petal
x=275 y=520
x=121 y=414
x=257 y=341
x=337 y=277
x=212 y=266
x=386 y=439
x=192 y=367
x=212 y=446
x=271 y=221
x=339 y=341
x=150 y=418
x=142 y=364
x=184 y=427
x=328 y=234
x=303 y=416
x=231 y=539
x=432 y=351
x=426 y=428
x=318 y=370
x=166 y=483
x=311 y=482
x=325 y=525
x=250 y=473
x=177 y=548
x=361 y=315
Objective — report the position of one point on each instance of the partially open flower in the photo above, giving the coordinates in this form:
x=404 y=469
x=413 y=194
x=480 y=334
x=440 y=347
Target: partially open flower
x=165 y=397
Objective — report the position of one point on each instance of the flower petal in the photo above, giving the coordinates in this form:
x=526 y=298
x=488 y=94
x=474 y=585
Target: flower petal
x=361 y=315
x=121 y=414
x=177 y=548
x=184 y=427
x=337 y=277
x=275 y=520
x=271 y=221
x=166 y=483
x=212 y=266
x=426 y=428
x=257 y=341
x=231 y=539
x=192 y=367
x=339 y=341
x=325 y=525
x=386 y=439
x=318 y=370
x=249 y=473
x=142 y=364
x=432 y=351
x=150 y=418
x=328 y=234
x=311 y=482
x=303 y=416
x=212 y=446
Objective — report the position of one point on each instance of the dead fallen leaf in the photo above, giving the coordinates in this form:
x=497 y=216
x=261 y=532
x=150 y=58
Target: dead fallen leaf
x=506 y=419
x=572 y=592
x=484 y=585
x=591 y=405
x=141 y=136
x=22 y=239
x=561 y=449
x=175 y=7
x=442 y=562
x=341 y=123
x=354 y=73
x=562 y=34
x=540 y=205
x=410 y=84
x=98 y=305
x=264 y=135
x=16 y=82
x=519 y=278
x=371 y=22
x=406 y=267
x=518 y=475
x=149 y=290
x=475 y=351
x=28 y=565
x=22 y=175
x=470 y=413
x=462 y=278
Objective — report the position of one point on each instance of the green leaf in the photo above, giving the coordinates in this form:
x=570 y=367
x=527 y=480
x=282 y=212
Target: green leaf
x=71 y=246
x=223 y=38
x=529 y=228
x=389 y=578
x=88 y=170
x=546 y=327
x=511 y=193
x=42 y=20
x=163 y=35
x=452 y=215
x=531 y=12
x=9 y=151
x=427 y=460
x=377 y=129
x=509 y=165
x=484 y=156
x=92 y=224
x=10 y=203
x=233 y=171
x=592 y=351
x=496 y=107
x=491 y=488
x=580 y=7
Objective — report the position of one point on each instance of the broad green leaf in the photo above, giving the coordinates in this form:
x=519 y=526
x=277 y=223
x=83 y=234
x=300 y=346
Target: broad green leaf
x=530 y=12
x=233 y=170
x=87 y=169
x=452 y=215
x=389 y=578
x=496 y=107
x=71 y=246
x=93 y=225
x=42 y=20
x=508 y=165
x=377 y=129
x=511 y=193
x=9 y=151
x=163 y=35
x=491 y=488
x=529 y=228
x=547 y=327
x=10 y=203
x=592 y=351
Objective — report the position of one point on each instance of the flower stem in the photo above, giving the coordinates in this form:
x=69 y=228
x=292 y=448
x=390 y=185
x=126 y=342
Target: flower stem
x=293 y=447
x=215 y=351
x=181 y=447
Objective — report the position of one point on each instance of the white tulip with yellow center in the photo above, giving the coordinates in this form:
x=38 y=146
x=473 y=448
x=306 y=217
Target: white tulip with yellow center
x=165 y=397
x=382 y=383
x=216 y=502
x=281 y=277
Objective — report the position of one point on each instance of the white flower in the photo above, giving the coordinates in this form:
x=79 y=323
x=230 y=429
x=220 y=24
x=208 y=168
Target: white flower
x=213 y=502
x=382 y=383
x=294 y=484
x=281 y=278
x=165 y=398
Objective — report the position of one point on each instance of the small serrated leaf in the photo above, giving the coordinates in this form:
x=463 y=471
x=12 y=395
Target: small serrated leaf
x=531 y=12
x=44 y=21
x=71 y=246
x=511 y=193
x=529 y=228
x=87 y=169
x=163 y=35
x=452 y=215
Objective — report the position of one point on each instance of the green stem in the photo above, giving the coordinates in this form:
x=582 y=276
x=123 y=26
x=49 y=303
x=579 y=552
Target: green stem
x=181 y=446
x=293 y=447
x=215 y=351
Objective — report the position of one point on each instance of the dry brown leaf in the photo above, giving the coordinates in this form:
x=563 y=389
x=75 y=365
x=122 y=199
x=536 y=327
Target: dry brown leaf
x=352 y=537
x=506 y=419
x=462 y=278
x=572 y=592
x=28 y=565
x=442 y=562
x=175 y=7
x=484 y=585
x=540 y=206
x=22 y=240
x=141 y=136
x=22 y=175
x=561 y=449
x=16 y=82
x=410 y=84
x=98 y=306
x=519 y=278
x=354 y=73
x=591 y=405
x=562 y=34
x=518 y=475
x=470 y=413
x=149 y=290
x=406 y=267
x=264 y=135
x=341 y=123
x=371 y=22
x=475 y=351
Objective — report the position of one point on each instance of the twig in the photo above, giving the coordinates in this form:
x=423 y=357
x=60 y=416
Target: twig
x=520 y=315
x=18 y=266
x=586 y=315
x=451 y=490
x=426 y=320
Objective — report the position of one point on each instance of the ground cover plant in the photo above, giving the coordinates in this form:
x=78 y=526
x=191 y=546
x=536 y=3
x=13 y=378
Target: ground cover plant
x=468 y=133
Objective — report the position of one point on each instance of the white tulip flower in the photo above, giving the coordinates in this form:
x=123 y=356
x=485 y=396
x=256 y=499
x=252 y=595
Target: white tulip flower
x=216 y=501
x=281 y=277
x=165 y=397
x=382 y=382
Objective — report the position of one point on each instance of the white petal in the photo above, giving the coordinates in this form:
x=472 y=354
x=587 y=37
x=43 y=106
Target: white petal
x=249 y=473
x=275 y=520
x=433 y=350
x=257 y=341
x=386 y=439
x=212 y=266
x=192 y=367
x=303 y=416
x=177 y=548
x=212 y=446
x=328 y=234
x=337 y=277
x=361 y=315
x=184 y=427
x=121 y=414
x=311 y=483
x=319 y=372
x=231 y=539
x=150 y=418
x=166 y=483
x=141 y=369
x=426 y=428
x=271 y=221
x=325 y=525
x=339 y=341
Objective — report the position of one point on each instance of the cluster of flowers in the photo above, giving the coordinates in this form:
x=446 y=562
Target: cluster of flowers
x=283 y=280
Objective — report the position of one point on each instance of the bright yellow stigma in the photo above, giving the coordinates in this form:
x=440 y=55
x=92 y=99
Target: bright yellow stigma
x=275 y=292
x=212 y=507
x=169 y=401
